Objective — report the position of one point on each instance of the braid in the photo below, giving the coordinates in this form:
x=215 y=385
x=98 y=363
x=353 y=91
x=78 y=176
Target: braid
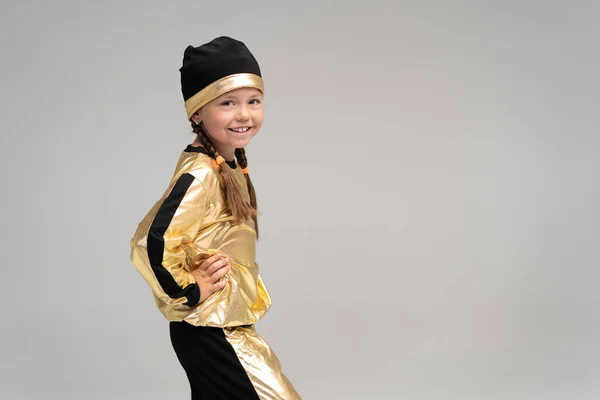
x=234 y=198
x=240 y=155
x=206 y=143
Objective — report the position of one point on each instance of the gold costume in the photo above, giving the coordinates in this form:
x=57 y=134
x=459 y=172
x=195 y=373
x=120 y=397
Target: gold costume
x=192 y=220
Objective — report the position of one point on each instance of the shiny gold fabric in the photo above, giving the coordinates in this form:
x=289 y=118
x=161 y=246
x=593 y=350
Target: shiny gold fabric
x=202 y=224
x=261 y=364
x=220 y=87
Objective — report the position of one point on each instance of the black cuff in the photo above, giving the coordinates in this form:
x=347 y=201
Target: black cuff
x=193 y=295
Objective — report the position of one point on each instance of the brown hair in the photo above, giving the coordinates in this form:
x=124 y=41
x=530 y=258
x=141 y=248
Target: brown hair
x=234 y=196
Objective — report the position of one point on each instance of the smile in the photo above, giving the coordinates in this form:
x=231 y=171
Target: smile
x=242 y=129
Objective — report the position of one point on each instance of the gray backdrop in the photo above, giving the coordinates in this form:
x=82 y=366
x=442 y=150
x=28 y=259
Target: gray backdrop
x=427 y=176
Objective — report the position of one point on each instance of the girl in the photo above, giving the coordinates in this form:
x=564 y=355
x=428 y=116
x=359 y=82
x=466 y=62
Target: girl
x=196 y=246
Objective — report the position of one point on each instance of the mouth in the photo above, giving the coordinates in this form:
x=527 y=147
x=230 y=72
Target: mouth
x=242 y=130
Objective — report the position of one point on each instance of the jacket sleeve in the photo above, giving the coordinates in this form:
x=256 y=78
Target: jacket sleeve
x=162 y=261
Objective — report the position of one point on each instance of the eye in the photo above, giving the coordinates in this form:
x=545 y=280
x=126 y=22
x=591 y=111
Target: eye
x=255 y=101
x=227 y=103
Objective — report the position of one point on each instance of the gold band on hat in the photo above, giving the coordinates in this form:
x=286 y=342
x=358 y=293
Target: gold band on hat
x=220 y=87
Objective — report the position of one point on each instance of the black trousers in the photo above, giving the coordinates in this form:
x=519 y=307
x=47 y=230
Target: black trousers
x=211 y=364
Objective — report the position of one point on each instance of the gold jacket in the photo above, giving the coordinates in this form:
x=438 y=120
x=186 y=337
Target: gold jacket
x=191 y=220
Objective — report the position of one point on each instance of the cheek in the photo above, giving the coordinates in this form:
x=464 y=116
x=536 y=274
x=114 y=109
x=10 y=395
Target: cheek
x=217 y=121
x=258 y=118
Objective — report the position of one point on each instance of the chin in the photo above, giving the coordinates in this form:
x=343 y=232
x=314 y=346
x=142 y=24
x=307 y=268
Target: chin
x=243 y=143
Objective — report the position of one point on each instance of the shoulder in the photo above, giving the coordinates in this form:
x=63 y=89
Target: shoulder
x=202 y=168
x=195 y=162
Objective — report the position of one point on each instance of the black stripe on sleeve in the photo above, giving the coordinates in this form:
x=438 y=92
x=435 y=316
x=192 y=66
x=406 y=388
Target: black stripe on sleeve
x=156 y=243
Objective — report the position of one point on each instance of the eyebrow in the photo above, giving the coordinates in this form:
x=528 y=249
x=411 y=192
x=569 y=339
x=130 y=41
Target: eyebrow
x=236 y=97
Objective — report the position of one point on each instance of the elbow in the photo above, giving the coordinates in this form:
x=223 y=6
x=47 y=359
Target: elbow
x=137 y=242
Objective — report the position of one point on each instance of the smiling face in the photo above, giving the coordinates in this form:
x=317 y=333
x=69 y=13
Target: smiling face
x=232 y=119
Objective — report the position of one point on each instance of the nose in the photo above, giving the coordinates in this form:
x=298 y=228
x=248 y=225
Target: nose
x=242 y=113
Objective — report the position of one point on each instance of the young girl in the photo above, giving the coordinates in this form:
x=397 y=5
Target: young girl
x=196 y=246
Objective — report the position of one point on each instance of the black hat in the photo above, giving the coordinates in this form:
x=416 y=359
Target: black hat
x=215 y=68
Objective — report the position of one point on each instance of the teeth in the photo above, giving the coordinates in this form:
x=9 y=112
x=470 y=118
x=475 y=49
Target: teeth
x=240 y=130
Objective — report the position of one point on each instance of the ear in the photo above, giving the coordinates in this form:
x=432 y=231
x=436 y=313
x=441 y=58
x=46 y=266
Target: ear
x=196 y=117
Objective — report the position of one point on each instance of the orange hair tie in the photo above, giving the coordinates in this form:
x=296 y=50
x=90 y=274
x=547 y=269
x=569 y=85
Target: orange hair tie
x=245 y=170
x=220 y=160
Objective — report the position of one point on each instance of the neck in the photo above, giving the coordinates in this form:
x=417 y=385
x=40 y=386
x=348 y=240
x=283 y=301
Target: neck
x=226 y=153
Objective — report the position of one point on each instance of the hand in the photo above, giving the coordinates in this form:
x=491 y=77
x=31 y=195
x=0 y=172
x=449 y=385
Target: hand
x=210 y=274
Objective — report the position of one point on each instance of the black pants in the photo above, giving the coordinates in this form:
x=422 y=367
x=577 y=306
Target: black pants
x=211 y=364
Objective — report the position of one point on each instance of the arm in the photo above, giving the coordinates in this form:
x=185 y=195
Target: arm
x=243 y=299
x=162 y=261
x=159 y=253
